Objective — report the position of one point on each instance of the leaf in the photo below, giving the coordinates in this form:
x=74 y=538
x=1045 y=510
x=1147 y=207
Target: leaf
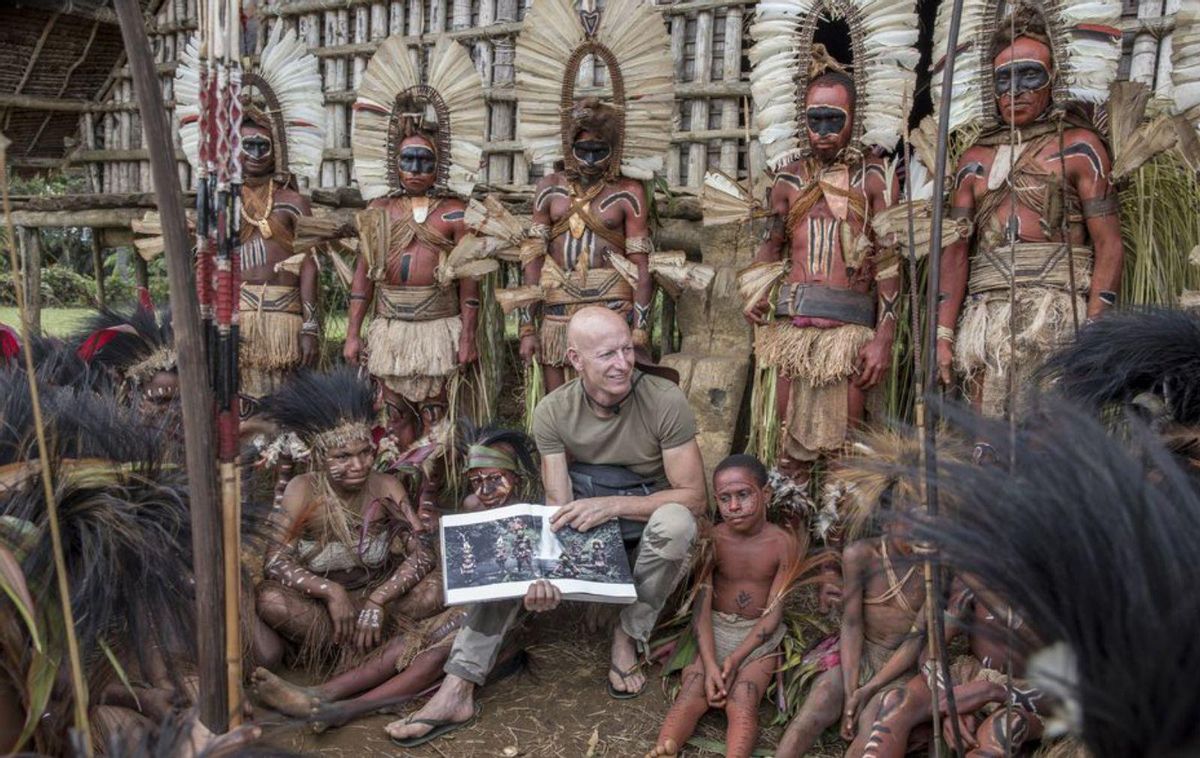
x=685 y=653
x=112 y=660
x=39 y=682
x=12 y=581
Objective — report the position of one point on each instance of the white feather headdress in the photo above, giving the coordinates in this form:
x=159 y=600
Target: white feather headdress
x=392 y=87
x=883 y=39
x=629 y=36
x=1185 y=80
x=1084 y=42
x=288 y=80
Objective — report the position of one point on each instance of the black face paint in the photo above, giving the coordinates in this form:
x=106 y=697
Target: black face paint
x=591 y=152
x=256 y=146
x=824 y=119
x=1021 y=76
x=415 y=159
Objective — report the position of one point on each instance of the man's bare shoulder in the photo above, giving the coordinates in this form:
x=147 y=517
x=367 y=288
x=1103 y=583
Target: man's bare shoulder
x=859 y=553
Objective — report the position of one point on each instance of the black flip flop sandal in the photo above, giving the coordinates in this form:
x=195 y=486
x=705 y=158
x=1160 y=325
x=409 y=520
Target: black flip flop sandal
x=440 y=729
x=617 y=694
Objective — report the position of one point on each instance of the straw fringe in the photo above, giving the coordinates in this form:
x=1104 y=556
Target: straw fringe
x=413 y=358
x=270 y=340
x=553 y=338
x=819 y=356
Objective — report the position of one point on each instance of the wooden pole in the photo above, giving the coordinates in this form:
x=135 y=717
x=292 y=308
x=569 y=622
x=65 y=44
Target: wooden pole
x=141 y=271
x=195 y=393
x=31 y=265
x=98 y=268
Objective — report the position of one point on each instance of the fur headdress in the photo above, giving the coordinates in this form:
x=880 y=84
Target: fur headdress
x=883 y=35
x=324 y=409
x=133 y=345
x=283 y=94
x=446 y=105
x=1085 y=47
x=630 y=39
x=1085 y=526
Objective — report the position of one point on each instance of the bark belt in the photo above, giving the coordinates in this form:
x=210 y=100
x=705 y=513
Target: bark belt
x=819 y=301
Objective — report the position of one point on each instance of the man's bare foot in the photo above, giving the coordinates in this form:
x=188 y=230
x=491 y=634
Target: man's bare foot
x=285 y=697
x=201 y=741
x=454 y=701
x=624 y=658
x=668 y=749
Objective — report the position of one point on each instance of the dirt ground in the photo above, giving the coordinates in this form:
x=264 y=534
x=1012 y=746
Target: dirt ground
x=558 y=706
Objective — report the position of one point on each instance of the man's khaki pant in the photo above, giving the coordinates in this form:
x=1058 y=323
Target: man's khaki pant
x=662 y=560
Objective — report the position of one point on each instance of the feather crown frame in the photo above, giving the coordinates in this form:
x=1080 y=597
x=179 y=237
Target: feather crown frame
x=1185 y=80
x=288 y=79
x=883 y=36
x=391 y=87
x=1085 y=46
x=629 y=36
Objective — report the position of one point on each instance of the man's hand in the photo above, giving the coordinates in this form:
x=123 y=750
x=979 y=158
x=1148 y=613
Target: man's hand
x=757 y=316
x=341 y=613
x=714 y=687
x=967 y=724
x=972 y=696
x=873 y=361
x=352 y=349
x=945 y=362
x=583 y=515
x=530 y=348
x=368 y=630
x=542 y=596
x=854 y=705
x=468 y=352
x=308 y=350
x=729 y=669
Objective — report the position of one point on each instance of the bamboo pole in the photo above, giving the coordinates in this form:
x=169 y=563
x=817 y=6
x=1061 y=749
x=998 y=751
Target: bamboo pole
x=698 y=150
x=78 y=685
x=731 y=71
x=195 y=392
x=31 y=267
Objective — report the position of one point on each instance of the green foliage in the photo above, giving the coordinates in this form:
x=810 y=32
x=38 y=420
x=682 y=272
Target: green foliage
x=1159 y=226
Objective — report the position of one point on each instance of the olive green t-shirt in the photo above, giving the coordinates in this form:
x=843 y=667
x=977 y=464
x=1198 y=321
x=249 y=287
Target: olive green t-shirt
x=655 y=417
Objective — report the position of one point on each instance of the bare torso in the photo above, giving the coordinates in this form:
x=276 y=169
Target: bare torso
x=417 y=263
x=745 y=569
x=891 y=599
x=613 y=203
x=256 y=268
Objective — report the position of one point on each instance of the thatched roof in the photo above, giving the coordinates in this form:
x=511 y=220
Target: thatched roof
x=56 y=58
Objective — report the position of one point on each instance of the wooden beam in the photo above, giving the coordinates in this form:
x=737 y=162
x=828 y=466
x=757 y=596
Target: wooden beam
x=36 y=103
x=103 y=15
x=102 y=217
x=31 y=266
x=87 y=201
x=106 y=156
x=195 y=393
x=37 y=51
x=35 y=162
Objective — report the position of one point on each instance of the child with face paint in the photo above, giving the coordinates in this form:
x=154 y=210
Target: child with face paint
x=1068 y=259
x=738 y=613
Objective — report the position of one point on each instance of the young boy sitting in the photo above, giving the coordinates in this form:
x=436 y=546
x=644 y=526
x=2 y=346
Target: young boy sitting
x=738 y=614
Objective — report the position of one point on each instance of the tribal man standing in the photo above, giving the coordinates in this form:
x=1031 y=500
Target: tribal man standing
x=1037 y=189
x=282 y=139
x=829 y=334
x=589 y=243
x=417 y=145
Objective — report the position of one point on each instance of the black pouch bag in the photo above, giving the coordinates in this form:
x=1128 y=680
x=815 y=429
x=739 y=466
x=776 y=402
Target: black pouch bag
x=601 y=480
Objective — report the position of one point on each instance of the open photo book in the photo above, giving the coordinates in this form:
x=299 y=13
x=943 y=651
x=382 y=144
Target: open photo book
x=497 y=554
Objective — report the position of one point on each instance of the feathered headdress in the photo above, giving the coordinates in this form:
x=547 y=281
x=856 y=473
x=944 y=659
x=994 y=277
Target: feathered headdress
x=630 y=39
x=883 y=35
x=134 y=346
x=1083 y=40
x=324 y=409
x=283 y=93
x=1084 y=526
x=1122 y=356
x=446 y=104
x=1185 y=80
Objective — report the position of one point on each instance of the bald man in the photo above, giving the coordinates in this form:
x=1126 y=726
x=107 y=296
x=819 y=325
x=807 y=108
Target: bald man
x=612 y=417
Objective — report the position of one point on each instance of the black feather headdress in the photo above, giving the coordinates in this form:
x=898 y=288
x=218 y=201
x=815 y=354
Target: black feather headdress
x=133 y=345
x=1094 y=544
x=1117 y=358
x=323 y=408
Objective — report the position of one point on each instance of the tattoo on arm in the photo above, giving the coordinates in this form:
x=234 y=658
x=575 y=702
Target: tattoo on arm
x=791 y=179
x=887 y=307
x=971 y=170
x=617 y=197
x=1108 y=297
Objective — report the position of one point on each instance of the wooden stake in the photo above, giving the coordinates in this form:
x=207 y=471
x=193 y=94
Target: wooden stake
x=195 y=393
x=98 y=268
